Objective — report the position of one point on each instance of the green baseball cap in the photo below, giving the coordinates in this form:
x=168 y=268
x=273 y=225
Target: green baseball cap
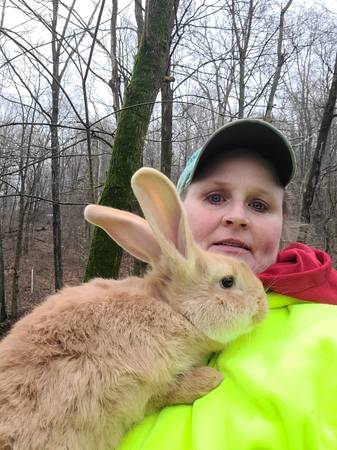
x=251 y=134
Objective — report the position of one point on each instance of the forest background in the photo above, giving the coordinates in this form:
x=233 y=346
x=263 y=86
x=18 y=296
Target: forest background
x=91 y=90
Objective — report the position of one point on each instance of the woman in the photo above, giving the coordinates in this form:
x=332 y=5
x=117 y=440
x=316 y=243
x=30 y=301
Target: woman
x=280 y=385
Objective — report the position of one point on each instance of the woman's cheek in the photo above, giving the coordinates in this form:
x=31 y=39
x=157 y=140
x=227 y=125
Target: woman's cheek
x=199 y=229
x=200 y=223
x=272 y=237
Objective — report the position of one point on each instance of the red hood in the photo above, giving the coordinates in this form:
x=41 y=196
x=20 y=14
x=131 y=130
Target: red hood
x=302 y=272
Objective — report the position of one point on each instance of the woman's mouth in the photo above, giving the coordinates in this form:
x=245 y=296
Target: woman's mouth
x=230 y=246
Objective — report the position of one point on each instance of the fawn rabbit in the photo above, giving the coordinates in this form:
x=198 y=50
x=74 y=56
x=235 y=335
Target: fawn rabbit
x=92 y=360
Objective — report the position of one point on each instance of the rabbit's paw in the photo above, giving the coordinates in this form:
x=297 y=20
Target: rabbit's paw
x=194 y=384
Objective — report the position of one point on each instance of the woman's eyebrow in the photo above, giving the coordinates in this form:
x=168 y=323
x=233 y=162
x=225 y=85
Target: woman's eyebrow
x=261 y=191
x=254 y=190
x=217 y=182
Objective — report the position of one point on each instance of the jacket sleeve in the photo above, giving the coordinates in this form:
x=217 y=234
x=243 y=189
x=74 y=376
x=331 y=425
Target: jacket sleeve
x=279 y=390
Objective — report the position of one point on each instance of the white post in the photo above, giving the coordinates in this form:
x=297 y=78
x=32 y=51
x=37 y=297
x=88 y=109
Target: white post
x=32 y=280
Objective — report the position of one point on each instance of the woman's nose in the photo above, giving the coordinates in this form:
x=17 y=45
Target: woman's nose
x=236 y=215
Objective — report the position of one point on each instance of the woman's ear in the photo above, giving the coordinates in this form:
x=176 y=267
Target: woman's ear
x=131 y=232
x=163 y=210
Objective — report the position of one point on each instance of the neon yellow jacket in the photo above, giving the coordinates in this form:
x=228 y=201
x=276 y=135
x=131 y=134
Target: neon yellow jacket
x=279 y=390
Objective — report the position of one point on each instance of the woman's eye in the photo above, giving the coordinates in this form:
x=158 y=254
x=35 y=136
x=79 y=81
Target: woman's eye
x=215 y=198
x=258 y=205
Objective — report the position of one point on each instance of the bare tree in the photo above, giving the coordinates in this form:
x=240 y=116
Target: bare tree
x=3 y=311
x=115 y=77
x=279 y=64
x=139 y=15
x=148 y=71
x=242 y=29
x=25 y=151
x=166 y=124
x=314 y=173
x=56 y=45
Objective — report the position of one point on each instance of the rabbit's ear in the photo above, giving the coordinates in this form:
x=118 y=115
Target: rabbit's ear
x=163 y=209
x=129 y=231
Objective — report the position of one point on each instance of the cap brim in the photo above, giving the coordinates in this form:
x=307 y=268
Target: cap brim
x=256 y=135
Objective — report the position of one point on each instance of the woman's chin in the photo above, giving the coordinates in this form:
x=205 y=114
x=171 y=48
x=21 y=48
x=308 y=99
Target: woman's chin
x=235 y=252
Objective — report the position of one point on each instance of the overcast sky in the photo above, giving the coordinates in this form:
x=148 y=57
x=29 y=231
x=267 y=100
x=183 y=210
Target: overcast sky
x=331 y=4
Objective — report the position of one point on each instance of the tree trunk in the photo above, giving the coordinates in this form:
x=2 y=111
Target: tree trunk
x=55 y=151
x=314 y=173
x=19 y=235
x=280 y=62
x=139 y=19
x=115 y=79
x=148 y=72
x=166 y=125
x=17 y=257
x=3 y=312
x=23 y=205
x=242 y=30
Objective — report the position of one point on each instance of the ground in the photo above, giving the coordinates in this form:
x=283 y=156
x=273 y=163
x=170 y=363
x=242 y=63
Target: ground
x=37 y=271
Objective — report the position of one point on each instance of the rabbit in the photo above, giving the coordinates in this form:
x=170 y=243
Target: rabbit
x=93 y=360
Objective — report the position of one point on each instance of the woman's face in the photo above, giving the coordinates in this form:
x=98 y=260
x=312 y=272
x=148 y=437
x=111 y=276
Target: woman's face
x=236 y=209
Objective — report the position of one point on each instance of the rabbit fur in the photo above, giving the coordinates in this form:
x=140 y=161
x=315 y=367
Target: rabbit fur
x=94 y=359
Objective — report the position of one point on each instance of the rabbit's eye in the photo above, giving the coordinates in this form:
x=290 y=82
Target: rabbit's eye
x=227 y=282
